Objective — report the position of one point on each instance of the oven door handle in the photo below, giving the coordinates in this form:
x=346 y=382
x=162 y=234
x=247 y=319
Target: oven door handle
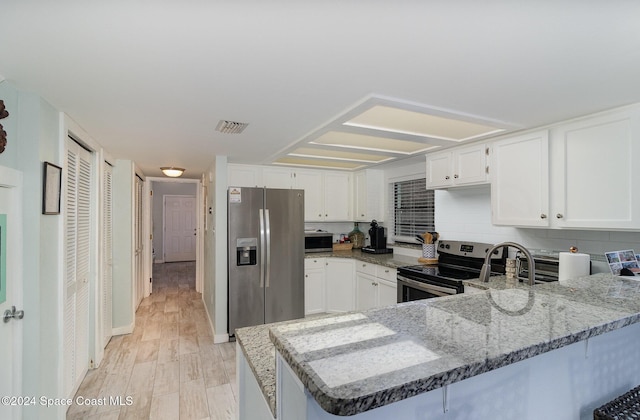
x=436 y=290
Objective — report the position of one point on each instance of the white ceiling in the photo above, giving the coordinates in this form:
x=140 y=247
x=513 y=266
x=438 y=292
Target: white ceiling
x=150 y=80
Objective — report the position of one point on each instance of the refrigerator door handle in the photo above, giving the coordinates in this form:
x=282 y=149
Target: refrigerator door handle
x=267 y=219
x=262 y=246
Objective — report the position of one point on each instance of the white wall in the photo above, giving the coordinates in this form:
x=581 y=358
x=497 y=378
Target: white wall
x=465 y=214
x=123 y=246
x=33 y=136
x=214 y=292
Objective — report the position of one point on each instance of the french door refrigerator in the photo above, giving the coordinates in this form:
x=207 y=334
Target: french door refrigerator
x=265 y=256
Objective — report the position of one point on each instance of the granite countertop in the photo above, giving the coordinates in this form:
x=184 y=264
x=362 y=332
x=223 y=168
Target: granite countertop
x=387 y=260
x=354 y=362
x=257 y=346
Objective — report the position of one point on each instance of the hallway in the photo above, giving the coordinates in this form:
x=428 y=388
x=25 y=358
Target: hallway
x=169 y=364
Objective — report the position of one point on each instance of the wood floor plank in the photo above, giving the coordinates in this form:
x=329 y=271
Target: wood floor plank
x=169 y=364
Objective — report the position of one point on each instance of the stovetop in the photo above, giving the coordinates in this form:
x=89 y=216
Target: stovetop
x=458 y=261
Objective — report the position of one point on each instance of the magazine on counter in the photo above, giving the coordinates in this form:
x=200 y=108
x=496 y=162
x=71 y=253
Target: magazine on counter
x=627 y=258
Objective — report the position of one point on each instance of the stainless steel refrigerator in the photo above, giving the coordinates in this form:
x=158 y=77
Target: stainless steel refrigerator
x=265 y=256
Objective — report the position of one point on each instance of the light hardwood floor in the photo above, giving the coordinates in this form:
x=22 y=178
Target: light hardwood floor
x=169 y=364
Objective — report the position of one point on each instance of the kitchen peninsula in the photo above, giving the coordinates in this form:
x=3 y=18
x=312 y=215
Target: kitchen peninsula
x=556 y=350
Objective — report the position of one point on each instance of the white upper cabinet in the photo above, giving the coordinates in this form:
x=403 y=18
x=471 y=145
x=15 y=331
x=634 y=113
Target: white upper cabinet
x=244 y=175
x=520 y=180
x=276 y=177
x=312 y=184
x=457 y=167
x=337 y=196
x=581 y=175
x=328 y=194
x=368 y=193
x=595 y=173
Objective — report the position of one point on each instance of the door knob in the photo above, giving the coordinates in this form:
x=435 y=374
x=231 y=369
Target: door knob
x=12 y=313
x=559 y=216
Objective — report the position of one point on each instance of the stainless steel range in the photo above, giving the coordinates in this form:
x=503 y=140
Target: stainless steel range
x=457 y=261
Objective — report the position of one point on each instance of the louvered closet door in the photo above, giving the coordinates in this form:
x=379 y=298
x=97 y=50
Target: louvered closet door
x=77 y=258
x=139 y=244
x=107 y=257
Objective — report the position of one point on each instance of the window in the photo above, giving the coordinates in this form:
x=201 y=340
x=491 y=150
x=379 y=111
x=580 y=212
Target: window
x=413 y=209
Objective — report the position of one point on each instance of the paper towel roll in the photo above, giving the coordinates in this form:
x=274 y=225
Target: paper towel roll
x=572 y=265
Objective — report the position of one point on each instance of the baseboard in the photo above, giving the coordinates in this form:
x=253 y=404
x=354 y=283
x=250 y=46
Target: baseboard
x=127 y=329
x=217 y=338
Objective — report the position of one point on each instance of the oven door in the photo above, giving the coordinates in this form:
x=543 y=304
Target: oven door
x=409 y=289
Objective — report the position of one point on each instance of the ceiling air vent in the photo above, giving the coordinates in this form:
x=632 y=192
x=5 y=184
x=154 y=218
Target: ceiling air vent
x=231 y=127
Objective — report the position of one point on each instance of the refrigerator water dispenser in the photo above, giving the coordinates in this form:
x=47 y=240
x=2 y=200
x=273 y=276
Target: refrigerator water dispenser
x=246 y=251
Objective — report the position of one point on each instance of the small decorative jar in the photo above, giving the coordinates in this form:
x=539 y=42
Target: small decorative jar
x=356 y=237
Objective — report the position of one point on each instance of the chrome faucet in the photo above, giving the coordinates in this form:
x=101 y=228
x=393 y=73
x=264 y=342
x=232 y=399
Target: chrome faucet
x=486 y=267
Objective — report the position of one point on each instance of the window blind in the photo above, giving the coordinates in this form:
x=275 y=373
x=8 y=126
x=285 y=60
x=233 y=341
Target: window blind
x=413 y=209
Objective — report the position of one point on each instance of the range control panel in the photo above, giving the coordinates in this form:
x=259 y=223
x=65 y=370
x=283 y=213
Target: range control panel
x=468 y=249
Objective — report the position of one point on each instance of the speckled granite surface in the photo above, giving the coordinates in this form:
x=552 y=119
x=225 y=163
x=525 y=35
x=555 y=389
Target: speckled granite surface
x=387 y=260
x=355 y=362
x=261 y=356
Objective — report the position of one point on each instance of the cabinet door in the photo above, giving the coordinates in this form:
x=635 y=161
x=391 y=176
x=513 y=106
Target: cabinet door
x=244 y=176
x=360 y=194
x=439 y=170
x=277 y=177
x=366 y=292
x=340 y=285
x=387 y=292
x=596 y=176
x=470 y=165
x=520 y=180
x=311 y=183
x=337 y=197
x=368 y=193
x=314 y=292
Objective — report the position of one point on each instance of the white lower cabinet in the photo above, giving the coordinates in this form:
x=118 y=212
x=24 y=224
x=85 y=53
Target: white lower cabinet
x=340 y=284
x=345 y=284
x=314 y=286
x=367 y=292
x=375 y=286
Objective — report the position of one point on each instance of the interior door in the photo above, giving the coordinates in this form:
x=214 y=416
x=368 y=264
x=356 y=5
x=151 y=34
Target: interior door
x=180 y=228
x=78 y=199
x=107 y=256
x=11 y=293
x=139 y=256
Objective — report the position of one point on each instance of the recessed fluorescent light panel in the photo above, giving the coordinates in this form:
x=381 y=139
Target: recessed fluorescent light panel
x=396 y=120
x=339 y=155
x=318 y=163
x=364 y=142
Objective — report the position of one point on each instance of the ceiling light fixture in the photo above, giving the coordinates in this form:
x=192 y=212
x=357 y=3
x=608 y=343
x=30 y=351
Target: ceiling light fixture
x=172 y=171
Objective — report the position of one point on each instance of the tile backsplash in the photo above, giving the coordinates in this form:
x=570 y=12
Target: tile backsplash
x=465 y=214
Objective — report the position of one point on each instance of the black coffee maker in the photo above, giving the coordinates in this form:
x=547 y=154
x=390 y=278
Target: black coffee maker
x=377 y=240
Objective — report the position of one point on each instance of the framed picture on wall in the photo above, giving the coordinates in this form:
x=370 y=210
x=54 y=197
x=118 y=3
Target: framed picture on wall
x=51 y=184
x=3 y=257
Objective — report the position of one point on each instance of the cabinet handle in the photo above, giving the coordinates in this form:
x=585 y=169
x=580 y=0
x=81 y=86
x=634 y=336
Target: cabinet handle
x=364 y=265
x=326 y=215
x=455 y=176
x=362 y=215
x=543 y=216
x=386 y=271
x=306 y=275
x=447 y=177
x=315 y=260
x=559 y=216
